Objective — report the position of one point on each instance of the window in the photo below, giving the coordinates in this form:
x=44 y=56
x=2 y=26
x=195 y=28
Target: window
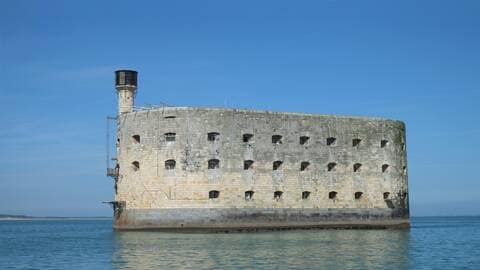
x=383 y=143
x=170 y=137
x=304 y=140
x=277 y=139
x=136 y=138
x=213 y=164
x=356 y=167
x=277 y=164
x=249 y=195
x=305 y=195
x=136 y=165
x=277 y=195
x=247 y=137
x=332 y=195
x=331 y=166
x=213 y=194
x=247 y=164
x=404 y=169
x=170 y=164
x=304 y=165
x=385 y=167
x=170 y=117
x=403 y=147
x=331 y=141
x=386 y=195
x=356 y=142
x=358 y=195
x=213 y=136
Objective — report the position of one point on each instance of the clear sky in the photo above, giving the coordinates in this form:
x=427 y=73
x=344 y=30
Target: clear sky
x=417 y=61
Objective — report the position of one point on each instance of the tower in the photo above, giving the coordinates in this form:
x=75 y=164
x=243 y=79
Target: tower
x=126 y=84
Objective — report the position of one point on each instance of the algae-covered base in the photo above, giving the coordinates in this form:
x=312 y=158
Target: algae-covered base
x=246 y=220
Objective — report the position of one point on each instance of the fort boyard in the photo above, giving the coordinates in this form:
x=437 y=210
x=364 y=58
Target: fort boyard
x=187 y=168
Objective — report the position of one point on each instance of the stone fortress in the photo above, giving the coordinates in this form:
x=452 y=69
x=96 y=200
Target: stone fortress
x=240 y=170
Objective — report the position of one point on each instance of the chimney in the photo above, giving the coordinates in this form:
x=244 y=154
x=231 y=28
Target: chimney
x=126 y=84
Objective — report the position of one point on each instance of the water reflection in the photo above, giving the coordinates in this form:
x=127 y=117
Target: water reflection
x=314 y=249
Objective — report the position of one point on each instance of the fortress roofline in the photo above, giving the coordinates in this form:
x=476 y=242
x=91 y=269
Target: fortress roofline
x=244 y=110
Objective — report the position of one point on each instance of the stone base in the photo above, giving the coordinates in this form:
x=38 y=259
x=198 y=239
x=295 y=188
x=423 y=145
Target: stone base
x=258 y=219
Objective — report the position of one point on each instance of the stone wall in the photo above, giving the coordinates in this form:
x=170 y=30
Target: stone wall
x=187 y=185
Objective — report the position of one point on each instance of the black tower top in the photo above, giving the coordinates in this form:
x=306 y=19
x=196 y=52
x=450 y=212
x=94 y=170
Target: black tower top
x=126 y=78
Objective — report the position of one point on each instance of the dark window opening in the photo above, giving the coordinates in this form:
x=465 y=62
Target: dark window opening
x=170 y=164
x=136 y=165
x=356 y=142
x=305 y=195
x=213 y=194
x=249 y=195
x=213 y=136
x=247 y=137
x=214 y=164
x=277 y=195
x=169 y=117
x=304 y=140
x=331 y=166
x=277 y=139
x=247 y=164
x=170 y=137
x=136 y=138
x=331 y=141
x=277 y=164
x=332 y=195
x=358 y=195
x=383 y=143
x=386 y=195
x=356 y=167
x=404 y=169
x=304 y=165
x=384 y=167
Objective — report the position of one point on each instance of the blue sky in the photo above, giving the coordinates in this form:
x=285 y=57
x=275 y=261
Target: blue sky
x=418 y=61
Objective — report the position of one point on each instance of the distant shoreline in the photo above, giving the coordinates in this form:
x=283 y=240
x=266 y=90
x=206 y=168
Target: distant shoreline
x=25 y=217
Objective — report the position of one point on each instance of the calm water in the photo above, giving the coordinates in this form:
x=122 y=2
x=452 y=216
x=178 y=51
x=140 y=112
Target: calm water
x=432 y=243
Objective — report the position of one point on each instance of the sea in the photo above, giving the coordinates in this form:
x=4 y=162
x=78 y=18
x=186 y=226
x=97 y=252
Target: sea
x=431 y=243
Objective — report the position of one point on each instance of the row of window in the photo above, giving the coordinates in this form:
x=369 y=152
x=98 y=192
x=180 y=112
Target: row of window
x=248 y=164
x=277 y=195
x=276 y=139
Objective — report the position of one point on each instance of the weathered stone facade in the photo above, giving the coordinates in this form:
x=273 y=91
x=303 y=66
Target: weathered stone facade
x=282 y=168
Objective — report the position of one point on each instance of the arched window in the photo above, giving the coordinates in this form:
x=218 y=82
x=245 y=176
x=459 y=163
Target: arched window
x=383 y=143
x=247 y=164
x=213 y=136
x=332 y=195
x=304 y=140
x=385 y=167
x=304 y=165
x=277 y=139
x=214 y=164
x=331 y=141
x=249 y=195
x=277 y=165
x=247 y=137
x=358 y=195
x=136 y=165
x=277 y=195
x=356 y=167
x=305 y=195
x=213 y=194
x=170 y=136
x=136 y=138
x=356 y=142
x=170 y=164
x=386 y=195
x=331 y=166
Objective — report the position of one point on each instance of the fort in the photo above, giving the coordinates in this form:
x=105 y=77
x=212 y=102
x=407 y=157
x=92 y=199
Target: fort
x=186 y=168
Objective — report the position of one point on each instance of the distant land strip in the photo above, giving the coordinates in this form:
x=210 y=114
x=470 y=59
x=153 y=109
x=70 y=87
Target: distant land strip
x=25 y=217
